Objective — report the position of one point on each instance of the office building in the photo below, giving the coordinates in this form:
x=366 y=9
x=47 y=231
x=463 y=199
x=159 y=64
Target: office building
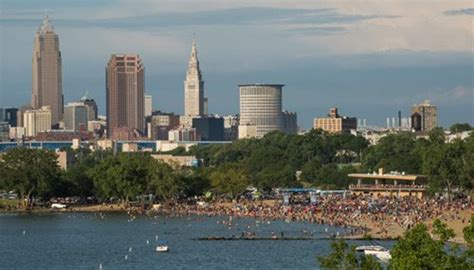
x=63 y=135
x=47 y=89
x=20 y=113
x=184 y=134
x=37 y=120
x=186 y=121
x=11 y=116
x=4 y=131
x=193 y=87
x=335 y=123
x=247 y=131
x=92 y=110
x=75 y=116
x=161 y=123
x=289 y=121
x=261 y=105
x=416 y=121
x=210 y=128
x=231 y=127
x=206 y=106
x=17 y=133
x=428 y=113
x=125 y=95
x=148 y=105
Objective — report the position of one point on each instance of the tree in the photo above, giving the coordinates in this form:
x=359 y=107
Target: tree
x=468 y=232
x=417 y=250
x=394 y=152
x=194 y=182
x=458 y=127
x=229 y=179
x=445 y=165
x=163 y=180
x=345 y=257
x=124 y=176
x=442 y=231
x=30 y=173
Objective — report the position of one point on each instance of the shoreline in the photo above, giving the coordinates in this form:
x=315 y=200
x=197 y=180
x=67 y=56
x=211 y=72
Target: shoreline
x=364 y=228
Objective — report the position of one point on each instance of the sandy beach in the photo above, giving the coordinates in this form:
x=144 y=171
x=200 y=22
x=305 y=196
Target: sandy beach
x=381 y=228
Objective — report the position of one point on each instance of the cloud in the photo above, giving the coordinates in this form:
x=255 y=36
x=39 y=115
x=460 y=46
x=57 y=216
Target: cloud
x=453 y=96
x=232 y=16
x=318 y=30
x=461 y=92
x=462 y=11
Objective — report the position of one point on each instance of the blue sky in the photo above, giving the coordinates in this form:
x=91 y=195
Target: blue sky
x=369 y=58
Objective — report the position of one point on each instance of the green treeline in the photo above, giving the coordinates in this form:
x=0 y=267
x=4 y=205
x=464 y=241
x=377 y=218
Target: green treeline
x=323 y=159
x=417 y=249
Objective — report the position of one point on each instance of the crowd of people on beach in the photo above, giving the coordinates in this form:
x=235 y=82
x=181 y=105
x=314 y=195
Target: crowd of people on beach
x=353 y=213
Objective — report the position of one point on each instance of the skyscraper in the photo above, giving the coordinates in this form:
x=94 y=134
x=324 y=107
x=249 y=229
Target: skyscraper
x=289 y=122
x=193 y=87
x=260 y=105
x=148 y=105
x=47 y=89
x=428 y=113
x=75 y=116
x=92 y=110
x=125 y=79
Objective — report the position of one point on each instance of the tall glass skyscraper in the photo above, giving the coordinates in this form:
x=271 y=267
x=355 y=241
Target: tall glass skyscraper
x=47 y=89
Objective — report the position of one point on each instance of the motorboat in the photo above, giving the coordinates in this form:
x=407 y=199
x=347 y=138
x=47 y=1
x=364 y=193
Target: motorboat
x=379 y=252
x=58 y=206
x=162 y=248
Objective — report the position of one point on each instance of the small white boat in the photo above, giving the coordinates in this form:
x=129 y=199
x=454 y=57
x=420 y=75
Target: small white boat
x=162 y=248
x=58 y=206
x=379 y=252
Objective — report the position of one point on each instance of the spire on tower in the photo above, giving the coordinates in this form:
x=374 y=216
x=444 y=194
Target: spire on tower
x=193 y=65
x=194 y=52
x=46 y=26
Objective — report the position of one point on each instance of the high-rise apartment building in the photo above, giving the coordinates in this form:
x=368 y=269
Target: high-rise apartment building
x=75 y=116
x=47 y=89
x=428 y=113
x=335 y=123
x=37 y=120
x=125 y=79
x=260 y=105
x=193 y=87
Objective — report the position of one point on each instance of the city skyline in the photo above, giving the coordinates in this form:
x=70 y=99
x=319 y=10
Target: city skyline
x=370 y=82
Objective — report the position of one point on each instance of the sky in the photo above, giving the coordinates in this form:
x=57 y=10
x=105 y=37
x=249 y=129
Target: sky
x=369 y=58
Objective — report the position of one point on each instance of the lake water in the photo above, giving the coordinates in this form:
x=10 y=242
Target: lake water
x=84 y=241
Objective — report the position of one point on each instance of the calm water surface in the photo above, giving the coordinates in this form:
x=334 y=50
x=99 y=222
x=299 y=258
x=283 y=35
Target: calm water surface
x=84 y=241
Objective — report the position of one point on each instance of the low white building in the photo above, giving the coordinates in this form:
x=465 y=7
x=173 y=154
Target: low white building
x=247 y=131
